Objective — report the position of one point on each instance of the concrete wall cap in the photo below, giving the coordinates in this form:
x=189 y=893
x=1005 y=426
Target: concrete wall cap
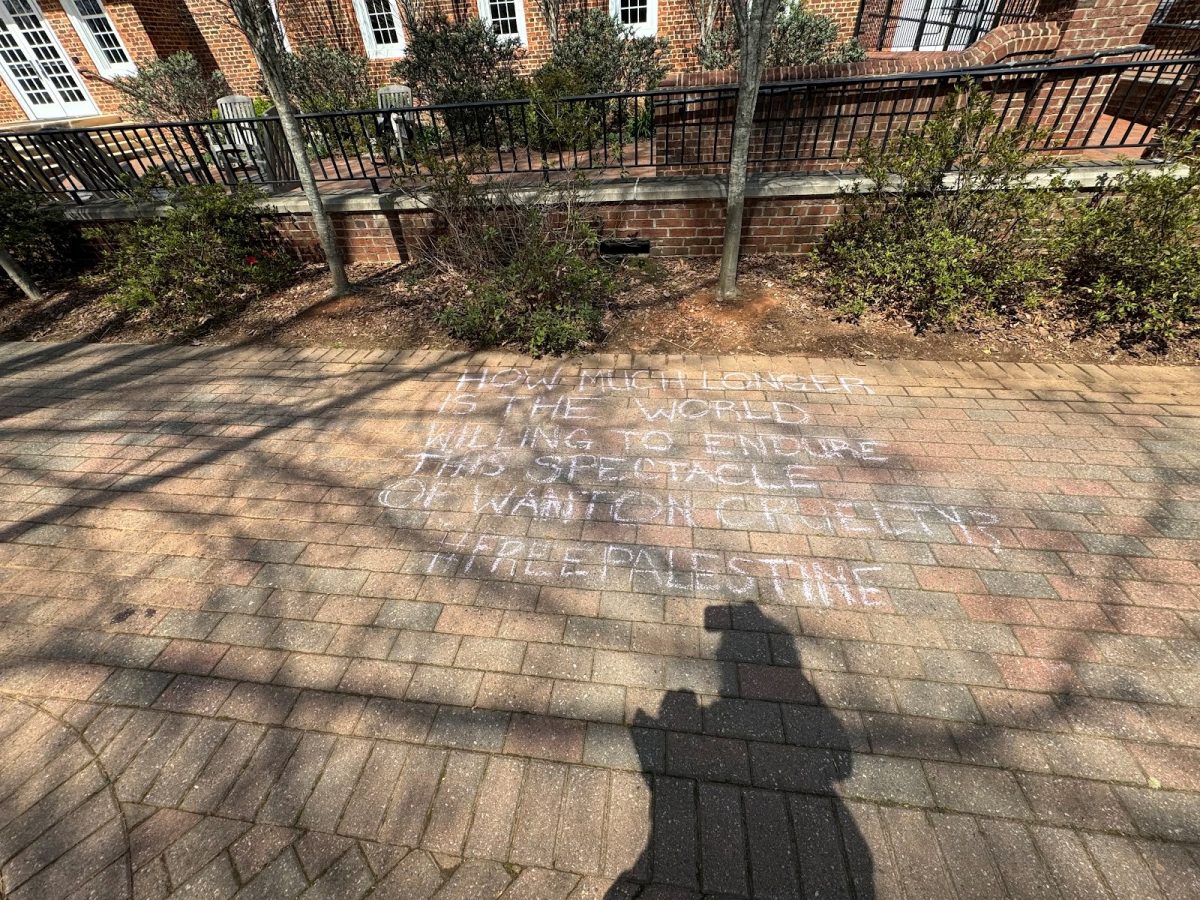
x=639 y=190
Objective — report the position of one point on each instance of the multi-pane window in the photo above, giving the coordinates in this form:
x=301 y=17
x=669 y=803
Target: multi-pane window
x=47 y=54
x=507 y=17
x=95 y=28
x=379 y=21
x=633 y=12
x=641 y=15
x=287 y=45
x=28 y=78
x=36 y=68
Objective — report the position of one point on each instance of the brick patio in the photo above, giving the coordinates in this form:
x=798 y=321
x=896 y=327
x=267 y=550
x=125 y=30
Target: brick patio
x=341 y=623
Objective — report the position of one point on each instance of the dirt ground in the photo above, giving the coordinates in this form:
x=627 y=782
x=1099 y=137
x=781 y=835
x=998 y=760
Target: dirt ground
x=663 y=306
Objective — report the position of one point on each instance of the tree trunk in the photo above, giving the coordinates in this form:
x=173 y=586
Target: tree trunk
x=18 y=274
x=340 y=284
x=754 y=31
x=551 y=11
x=735 y=192
x=257 y=22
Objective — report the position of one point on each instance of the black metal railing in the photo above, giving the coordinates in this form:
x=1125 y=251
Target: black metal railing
x=1179 y=13
x=904 y=25
x=1174 y=30
x=1096 y=107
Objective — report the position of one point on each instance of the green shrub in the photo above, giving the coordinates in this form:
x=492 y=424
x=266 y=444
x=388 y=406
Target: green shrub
x=799 y=38
x=555 y=315
x=36 y=234
x=206 y=254
x=1131 y=257
x=457 y=62
x=322 y=78
x=526 y=254
x=911 y=241
x=555 y=124
x=171 y=90
x=461 y=62
x=596 y=54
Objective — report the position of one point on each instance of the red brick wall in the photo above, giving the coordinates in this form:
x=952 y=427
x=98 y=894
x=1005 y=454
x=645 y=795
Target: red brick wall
x=171 y=28
x=334 y=22
x=363 y=237
x=306 y=22
x=1105 y=24
x=674 y=228
x=223 y=45
x=697 y=227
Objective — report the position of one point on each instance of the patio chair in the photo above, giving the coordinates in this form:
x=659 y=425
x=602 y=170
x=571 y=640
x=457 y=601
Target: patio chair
x=235 y=145
x=395 y=128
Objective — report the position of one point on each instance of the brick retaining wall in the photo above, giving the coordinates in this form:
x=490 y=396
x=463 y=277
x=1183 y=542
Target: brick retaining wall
x=785 y=214
x=692 y=227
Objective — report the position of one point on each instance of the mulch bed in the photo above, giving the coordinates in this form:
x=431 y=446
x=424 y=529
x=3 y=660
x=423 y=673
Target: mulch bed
x=662 y=306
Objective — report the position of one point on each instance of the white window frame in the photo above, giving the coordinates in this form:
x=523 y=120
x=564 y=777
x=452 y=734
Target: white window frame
x=374 y=49
x=287 y=44
x=649 y=28
x=95 y=51
x=521 y=37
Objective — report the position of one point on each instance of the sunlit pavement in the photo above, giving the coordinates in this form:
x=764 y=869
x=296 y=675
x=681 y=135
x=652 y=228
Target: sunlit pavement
x=335 y=623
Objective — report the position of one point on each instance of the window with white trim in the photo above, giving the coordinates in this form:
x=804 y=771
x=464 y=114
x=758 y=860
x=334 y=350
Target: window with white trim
x=379 y=21
x=104 y=45
x=641 y=15
x=507 y=18
x=287 y=45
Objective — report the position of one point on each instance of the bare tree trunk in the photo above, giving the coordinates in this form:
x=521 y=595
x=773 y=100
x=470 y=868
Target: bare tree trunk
x=551 y=11
x=754 y=25
x=258 y=24
x=308 y=183
x=17 y=273
x=705 y=13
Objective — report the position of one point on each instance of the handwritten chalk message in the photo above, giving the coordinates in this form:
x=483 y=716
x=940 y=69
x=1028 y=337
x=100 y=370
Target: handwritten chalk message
x=628 y=380
x=633 y=449
x=657 y=570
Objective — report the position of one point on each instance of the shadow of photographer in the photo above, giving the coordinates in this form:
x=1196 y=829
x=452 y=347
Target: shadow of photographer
x=719 y=834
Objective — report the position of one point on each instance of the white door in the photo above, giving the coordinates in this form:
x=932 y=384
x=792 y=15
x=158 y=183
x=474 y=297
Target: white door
x=949 y=24
x=36 y=68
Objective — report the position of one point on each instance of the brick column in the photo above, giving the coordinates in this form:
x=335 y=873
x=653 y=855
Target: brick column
x=1105 y=24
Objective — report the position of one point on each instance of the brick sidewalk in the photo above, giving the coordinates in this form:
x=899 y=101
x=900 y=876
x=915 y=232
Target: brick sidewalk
x=336 y=623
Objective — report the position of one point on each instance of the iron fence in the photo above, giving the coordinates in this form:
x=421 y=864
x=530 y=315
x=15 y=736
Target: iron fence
x=1177 y=13
x=1096 y=108
x=1174 y=30
x=937 y=25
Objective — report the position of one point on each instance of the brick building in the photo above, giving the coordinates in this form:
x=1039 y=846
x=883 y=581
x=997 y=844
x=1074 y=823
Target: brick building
x=57 y=55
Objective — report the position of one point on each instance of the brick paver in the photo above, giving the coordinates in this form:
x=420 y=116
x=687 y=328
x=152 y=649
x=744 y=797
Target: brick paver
x=335 y=623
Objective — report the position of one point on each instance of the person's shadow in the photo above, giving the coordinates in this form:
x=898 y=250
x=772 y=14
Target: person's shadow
x=742 y=799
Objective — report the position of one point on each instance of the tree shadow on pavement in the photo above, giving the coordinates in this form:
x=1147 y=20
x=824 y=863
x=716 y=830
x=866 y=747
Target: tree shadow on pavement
x=744 y=793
